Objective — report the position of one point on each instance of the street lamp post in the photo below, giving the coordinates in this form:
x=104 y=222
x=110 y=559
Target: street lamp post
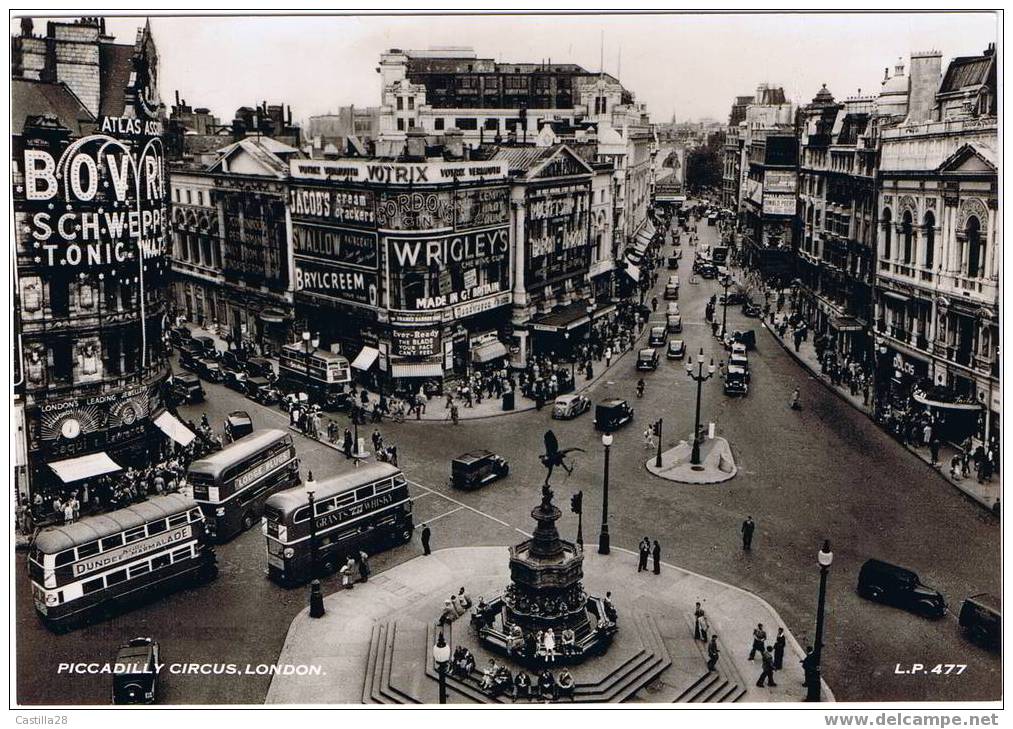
x=724 y=314
x=441 y=656
x=657 y=459
x=699 y=378
x=603 y=537
x=573 y=360
x=577 y=507
x=316 y=594
x=813 y=681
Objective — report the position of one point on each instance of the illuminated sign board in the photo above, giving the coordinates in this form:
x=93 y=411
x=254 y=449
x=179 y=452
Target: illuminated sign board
x=397 y=173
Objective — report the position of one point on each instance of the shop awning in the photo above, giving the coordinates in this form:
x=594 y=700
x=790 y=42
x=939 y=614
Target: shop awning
x=76 y=469
x=488 y=352
x=603 y=311
x=273 y=316
x=365 y=359
x=562 y=319
x=643 y=239
x=921 y=397
x=172 y=427
x=846 y=324
x=898 y=297
x=417 y=369
x=633 y=272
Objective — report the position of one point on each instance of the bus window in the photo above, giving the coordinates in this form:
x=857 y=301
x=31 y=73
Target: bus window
x=322 y=507
x=364 y=493
x=156 y=527
x=63 y=558
x=87 y=550
x=133 y=535
x=116 y=540
x=181 y=553
x=177 y=520
x=139 y=569
x=114 y=578
x=384 y=486
x=195 y=514
x=91 y=585
x=344 y=499
x=160 y=561
x=399 y=480
x=301 y=514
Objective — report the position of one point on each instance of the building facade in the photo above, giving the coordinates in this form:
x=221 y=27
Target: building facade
x=91 y=219
x=938 y=251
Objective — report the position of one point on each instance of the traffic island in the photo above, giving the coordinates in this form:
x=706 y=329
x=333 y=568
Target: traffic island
x=716 y=463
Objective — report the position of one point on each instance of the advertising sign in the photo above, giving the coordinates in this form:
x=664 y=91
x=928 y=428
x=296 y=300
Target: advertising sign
x=481 y=207
x=353 y=248
x=336 y=282
x=445 y=250
x=70 y=426
x=415 y=210
x=421 y=342
x=397 y=173
x=779 y=181
x=131 y=551
x=778 y=204
x=98 y=200
x=344 y=207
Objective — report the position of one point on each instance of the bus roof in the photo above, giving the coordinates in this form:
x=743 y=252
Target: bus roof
x=243 y=448
x=290 y=499
x=56 y=539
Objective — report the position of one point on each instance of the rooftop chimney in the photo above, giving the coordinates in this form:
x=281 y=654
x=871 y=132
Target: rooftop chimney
x=924 y=83
x=415 y=147
x=453 y=138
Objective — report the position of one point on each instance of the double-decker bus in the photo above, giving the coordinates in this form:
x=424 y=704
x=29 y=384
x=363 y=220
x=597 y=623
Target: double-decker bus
x=114 y=560
x=321 y=374
x=369 y=507
x=232 y=484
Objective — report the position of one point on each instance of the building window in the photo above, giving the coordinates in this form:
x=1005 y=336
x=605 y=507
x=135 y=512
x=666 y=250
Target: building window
x=492 y=124
x=975 y=248
x=438 y=123
x=200 y=197
x=466 y=123
x=930 y=239
x=887 y=233
x=411 y=123
x=907 y=231
x=400 y=103
x=411 y=103
x=400 y=124
x=189 y=201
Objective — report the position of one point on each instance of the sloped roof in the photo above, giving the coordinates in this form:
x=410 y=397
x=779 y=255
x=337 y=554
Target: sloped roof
x=984 y=151
x=262 y=149
x=521 y=159
x=116 y=62
x=35 y=98
x=966 y=72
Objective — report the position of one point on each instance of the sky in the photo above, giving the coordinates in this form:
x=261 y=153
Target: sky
x=688 y=65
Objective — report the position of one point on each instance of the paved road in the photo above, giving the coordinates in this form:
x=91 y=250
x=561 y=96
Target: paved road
x=827 y=472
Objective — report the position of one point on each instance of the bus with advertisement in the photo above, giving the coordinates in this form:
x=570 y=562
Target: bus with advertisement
x=320 y=374
x=111 y=561
x=369 y=508
x=232 y=484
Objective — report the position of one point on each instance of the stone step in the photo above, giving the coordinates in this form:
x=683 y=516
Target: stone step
x=723 y=685
x=387 y=690
x=371 y=659
x=654 y=662
x=376 y=695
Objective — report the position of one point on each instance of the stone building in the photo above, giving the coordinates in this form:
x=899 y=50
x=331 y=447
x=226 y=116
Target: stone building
x=938 y=248
x=89 y=247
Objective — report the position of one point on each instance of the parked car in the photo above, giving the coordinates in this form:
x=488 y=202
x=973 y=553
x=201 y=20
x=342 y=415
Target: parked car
x=138 y=682
x=893 y=585
x=570 y=406
x=734 y=298
x=209 y=370
x=179 y=336
x=676 y=349
x=610 y=415
x=477 y=468
x=237 y=424
x=258 y=367
x=674 y=323
x=671 y=292
x=672 y=308
x=736 y=381
x=188 y=357
x=206 y=346
x=753 y=311
x=184 y=387
x=740 y=360
x=234 y=379
x=981 y=619
x=658 y=336
x=673 y=262
x=232 y=359
x=260 y=389
x=647 y=359
x=746 y=340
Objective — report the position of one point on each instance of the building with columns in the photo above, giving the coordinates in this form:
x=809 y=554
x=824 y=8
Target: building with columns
x=938 y=245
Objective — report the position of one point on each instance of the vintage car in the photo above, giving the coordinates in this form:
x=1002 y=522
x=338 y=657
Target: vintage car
x=708 y=271
x=205 y=346
x=237 y=424
x=570 y=406
x=188 y=356
x=676 y=349
x=736 y=381
x=745 y=341
x=671 y=292
x=137 y=680
x=233 y=359
x=234 y=379
x=981 y=619
x=673 y=262
x=673 y=280
x=647 y=359
x=178 y=336
x=739 y=359
x=184 y=387
x=208 y=369
x=674 y=323
x=750 y=309
x=658 y=336
x=672 y=308
x=260 y=389
x=477 y=468
x=734 y=298
x=610 y=415
x=258 y=367
x=888 y=583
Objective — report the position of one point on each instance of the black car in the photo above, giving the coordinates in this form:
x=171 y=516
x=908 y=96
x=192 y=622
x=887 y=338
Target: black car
x=208 y=369
x=233 y=359
x=178 y=336
x=611 y=415
x=205 y=346
x=647 y=359
x=184 y=388
x=673 y=263
x=751 y=310
x=237 y=424
x=708 y=271
x=260 y=389
x=477 y=468
x=893 y=585
x=137 y=680
x=981 y=619
x=258 y=367
x=188 y=357
x=658 y=336
x=234 y=379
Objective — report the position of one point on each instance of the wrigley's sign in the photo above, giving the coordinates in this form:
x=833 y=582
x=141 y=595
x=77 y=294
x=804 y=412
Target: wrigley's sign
x=397 y=173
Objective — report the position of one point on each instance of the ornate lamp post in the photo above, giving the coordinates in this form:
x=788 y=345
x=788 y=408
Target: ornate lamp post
x=603 y=537
x=724 y=314
x=813 y=682
x=441 y=656
x=699 y=378
x=316 y=594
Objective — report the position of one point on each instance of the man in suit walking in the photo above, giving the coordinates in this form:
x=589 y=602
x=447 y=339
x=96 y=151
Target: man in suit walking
x=425 y=539
x=759 y=640
x=779 y=643
x=748 y=527
x=768 y=668
x=712 y=653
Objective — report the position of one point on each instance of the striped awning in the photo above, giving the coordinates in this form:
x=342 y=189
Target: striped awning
x=417 y=369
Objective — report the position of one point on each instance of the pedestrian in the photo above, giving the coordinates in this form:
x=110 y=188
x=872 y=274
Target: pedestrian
x=363 y=566
x=748 y=527
x=934 y=450
x=656 y=555
x=645 y=553
x=955 y=467
x=779 y=643
x=425 y=539
x=347 y=570
x=927 y=434
x=347 y=443
x=649 y=437
x=697 y=614
x=454 y=413
x=767 y=657
x=377 y=440
x=608 y=356
x=712 y=653
x=705 y=625
x=809 y=667
x=759 y=640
